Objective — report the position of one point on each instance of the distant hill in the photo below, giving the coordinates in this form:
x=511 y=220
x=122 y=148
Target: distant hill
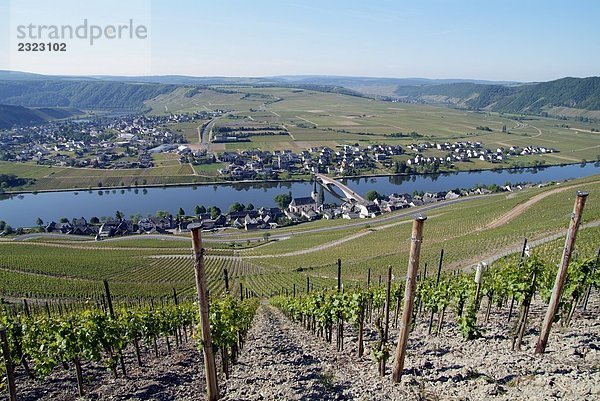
x=374 y=86
x=576 y=93
x=571 y=93
x=120 y=93
x=566 y=96
x=83 y=94
x=22 y=76
x=18 y=115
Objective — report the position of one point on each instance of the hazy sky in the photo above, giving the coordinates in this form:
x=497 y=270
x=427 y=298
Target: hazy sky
x=497 y=40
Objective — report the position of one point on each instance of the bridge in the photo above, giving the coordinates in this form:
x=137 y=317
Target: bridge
x=348 y=193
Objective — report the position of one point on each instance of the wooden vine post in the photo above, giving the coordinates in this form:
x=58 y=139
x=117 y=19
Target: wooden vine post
x=387 y=304
x=12 y=390
x=479 y=281
x=512 y=299
x=339 y=275
x=409 y=295
x=175 y=299
x=111 y=310
x=108 y=298
x=524 y=309
x=386 y=319
x=209 y=358
x=226 y=278
x=589 y=289
x=340 y=322
x=561 y=275
x=437 y=282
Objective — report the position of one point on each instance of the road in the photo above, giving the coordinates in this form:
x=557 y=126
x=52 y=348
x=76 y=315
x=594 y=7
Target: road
x=205 y=132
x=521 y=208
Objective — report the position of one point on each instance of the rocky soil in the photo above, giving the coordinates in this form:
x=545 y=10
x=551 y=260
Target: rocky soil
x=175 y=376
x=445 y=367
x=282 y=361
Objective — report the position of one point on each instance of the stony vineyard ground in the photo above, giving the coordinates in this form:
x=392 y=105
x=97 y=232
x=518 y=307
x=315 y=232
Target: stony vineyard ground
x=282 y=361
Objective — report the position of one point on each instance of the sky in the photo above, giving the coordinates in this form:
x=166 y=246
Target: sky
x=493 y=40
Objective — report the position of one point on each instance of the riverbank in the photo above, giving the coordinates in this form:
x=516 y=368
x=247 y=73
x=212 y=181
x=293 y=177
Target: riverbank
x=238 y=182
x=21 y=210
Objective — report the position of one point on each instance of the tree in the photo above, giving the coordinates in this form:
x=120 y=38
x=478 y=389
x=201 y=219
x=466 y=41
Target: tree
x=372 y=195
x=249 y=206
x=283 y=200
x=2 y=225
x=236 y=207
x=162 y=213
x=402 y=167
x=119 y=215
x=181 y=212
x=197 y=210
x=93 y=220
x=39 y=222
x=215 y=212
x=65 y=220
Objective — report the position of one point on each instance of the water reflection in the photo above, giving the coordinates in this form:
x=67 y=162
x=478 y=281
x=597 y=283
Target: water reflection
x=17 y=210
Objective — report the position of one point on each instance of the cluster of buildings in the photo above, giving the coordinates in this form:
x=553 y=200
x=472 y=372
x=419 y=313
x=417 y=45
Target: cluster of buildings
x=118 y=142
x=463 y=151
x=264 y=218
x=253 y=164
x=111 y=227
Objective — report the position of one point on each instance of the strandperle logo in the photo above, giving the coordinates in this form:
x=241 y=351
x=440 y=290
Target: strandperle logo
x=85 y=31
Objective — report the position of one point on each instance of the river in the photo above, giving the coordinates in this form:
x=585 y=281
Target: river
x=23 y=210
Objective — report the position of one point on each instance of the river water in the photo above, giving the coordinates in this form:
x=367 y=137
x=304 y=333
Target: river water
x=23 y=210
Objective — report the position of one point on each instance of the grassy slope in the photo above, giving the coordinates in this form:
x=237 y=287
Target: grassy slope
x=458 y=229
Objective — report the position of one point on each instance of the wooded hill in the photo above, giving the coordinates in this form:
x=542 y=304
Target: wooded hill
x=566 y=96
x=19 y=115
x=84 y=94
x=574 y=93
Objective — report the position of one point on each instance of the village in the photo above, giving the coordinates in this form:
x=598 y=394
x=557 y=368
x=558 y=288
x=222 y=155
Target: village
x=465 y=151
x=294 y=210
x=99 y=142
x=126 y=142
x=353 y=159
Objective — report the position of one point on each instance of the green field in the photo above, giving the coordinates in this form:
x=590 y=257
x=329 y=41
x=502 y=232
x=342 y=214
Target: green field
x=49 y=178
x=318 y=119
x=56 y=268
